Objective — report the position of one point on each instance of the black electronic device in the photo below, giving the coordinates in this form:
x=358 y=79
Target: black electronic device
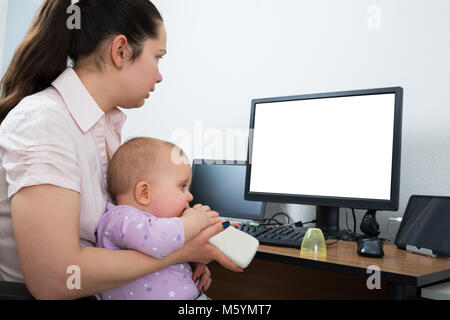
x=425 y=225
x=370 y=247
x=220 y=185
x=369 y=225
x=281 y=236
x=331 y=150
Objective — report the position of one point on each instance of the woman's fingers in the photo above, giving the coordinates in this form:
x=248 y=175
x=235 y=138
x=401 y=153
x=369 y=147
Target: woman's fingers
x=211 y=231
x=198 y=270
x=234 y=224
x=208 y=284
x=226 y=262
x=204 y=279
x=202 y=251
x=202 y=275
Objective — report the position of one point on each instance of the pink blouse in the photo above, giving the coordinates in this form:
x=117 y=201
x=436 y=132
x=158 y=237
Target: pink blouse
x=56 y=136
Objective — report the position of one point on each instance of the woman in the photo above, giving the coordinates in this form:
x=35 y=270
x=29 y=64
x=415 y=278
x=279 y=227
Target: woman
x=59 y=128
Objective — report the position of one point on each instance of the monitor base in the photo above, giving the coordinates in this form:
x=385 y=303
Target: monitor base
x=340 y=235
x=328 y=221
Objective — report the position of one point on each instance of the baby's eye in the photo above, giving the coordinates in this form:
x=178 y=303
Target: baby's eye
x=183 y=186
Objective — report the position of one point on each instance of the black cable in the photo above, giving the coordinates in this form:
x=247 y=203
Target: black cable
x=354 y=221
x=346 y=219
x=266 y=222
x=353 y=233
x=329 y=244
x=284 y=214
x=312 y=221
x=301 y=224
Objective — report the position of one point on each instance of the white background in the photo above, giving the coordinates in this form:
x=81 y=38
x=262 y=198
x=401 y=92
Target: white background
x=222 y=54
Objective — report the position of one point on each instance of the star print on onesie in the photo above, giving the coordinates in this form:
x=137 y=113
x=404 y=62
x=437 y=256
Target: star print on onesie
x=124 y=227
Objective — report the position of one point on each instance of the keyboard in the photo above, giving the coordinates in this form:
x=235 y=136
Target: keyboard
x=280 y=236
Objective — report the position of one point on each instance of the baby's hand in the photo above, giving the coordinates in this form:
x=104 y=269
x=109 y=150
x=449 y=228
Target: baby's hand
x=201 y=215
x=197 y=218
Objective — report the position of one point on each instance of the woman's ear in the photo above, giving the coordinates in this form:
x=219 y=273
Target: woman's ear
x=142 y=193
x=119 y=50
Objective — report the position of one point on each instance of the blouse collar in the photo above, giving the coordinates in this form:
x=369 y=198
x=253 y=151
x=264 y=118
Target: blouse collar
x=81 y=104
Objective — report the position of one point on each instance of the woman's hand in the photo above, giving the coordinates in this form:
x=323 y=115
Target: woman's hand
x=200 y=250
x=202 y=274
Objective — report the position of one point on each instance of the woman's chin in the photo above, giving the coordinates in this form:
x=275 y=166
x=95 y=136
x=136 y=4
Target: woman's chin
x=139 y=104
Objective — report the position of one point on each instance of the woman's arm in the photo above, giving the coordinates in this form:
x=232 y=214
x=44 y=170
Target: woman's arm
x=45 y=220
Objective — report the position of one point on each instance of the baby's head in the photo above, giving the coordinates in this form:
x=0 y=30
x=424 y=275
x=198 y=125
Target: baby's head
x=152 y=175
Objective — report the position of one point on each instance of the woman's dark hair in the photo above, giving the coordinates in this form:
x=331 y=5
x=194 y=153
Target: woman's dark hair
x=43 y=54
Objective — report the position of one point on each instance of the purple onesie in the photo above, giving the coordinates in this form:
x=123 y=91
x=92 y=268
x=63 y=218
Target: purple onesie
x=125 y=227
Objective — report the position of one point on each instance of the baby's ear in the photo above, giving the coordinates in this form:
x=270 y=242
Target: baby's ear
x=142 y=193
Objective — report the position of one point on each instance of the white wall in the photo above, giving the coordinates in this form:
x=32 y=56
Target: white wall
x=18 y=15
x=3 y=12
x=222 y=54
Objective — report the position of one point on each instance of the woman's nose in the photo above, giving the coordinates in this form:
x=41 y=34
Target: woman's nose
x=159 y=78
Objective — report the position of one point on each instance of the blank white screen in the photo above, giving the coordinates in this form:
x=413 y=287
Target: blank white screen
x=334 y=147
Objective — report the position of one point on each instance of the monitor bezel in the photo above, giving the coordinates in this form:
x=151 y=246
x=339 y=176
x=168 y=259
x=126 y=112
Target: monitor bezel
x=356 y=203
x=217 y=162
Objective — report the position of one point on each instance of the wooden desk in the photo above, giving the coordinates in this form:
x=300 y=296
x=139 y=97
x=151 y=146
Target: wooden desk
x=280 y=273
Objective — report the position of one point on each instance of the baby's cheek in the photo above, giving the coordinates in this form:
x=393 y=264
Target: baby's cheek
x=174 y=207
x=181 y=206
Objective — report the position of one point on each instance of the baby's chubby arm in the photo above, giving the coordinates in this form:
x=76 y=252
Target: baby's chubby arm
x=146 y=233
x=196 y=219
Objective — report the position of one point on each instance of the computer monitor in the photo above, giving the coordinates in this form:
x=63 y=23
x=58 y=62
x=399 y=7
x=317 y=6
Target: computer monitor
x=331 y=150
x=220 y=185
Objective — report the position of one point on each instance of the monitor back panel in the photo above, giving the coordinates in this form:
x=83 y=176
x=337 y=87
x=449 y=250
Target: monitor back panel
x=221 y=185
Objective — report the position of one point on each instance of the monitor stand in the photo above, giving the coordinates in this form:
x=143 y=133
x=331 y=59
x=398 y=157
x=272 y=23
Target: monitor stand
x=327 y=219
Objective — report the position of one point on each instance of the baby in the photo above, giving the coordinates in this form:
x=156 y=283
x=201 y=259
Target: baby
x=148 y=181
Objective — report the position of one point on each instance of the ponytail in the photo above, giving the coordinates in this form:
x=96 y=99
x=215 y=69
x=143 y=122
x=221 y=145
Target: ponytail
x=43 y=54
x=40 y=57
